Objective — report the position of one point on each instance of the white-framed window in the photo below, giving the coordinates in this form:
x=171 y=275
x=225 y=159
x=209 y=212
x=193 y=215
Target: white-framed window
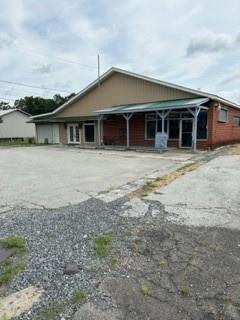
x=153 y=123
x=223 y=115
x=236 y=121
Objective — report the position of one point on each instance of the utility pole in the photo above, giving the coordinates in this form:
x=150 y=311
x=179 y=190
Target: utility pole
x=98 y=63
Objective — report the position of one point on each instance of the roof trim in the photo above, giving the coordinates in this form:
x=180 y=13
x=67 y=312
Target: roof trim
x=113 y=70
x=13 y=110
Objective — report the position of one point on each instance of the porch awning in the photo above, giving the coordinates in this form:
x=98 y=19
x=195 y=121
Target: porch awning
x=154 y=106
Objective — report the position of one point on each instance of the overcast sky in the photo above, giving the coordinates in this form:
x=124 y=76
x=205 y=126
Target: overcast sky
x=54 y=43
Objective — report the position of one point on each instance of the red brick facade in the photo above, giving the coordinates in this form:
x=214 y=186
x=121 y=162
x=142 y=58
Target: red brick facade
x=219 y=133
x=224 y=132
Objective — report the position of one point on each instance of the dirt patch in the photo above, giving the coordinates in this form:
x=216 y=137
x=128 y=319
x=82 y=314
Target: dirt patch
x=153 y=185
x=179 y=273
x=234 y=149
x=16 y=303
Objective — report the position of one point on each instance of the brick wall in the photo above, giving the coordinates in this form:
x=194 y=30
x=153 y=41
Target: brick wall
x=224 y=132
x=114 y=131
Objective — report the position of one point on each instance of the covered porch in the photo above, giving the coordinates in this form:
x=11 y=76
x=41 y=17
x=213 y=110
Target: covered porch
x=183 y=122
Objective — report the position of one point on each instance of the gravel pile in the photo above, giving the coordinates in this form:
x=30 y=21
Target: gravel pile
x=66 y=235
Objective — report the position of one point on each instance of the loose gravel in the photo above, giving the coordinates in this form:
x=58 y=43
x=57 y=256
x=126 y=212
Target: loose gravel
x=56 y=237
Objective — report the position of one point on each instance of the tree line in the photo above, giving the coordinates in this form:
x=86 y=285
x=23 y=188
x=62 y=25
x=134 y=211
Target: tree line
x=37 y=105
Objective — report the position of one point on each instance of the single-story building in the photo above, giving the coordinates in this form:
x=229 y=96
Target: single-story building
x=14 y=125
x=127 y=109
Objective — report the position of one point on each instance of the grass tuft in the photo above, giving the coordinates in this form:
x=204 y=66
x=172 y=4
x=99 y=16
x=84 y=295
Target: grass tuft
x=14 y=243
x=145 y=290
x=153 y=185
x=96 y=269
x=8 y=270
x=102 y=244
x=78 y=297
x=184 y=290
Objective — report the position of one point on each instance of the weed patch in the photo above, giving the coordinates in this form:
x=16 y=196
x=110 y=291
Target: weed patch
x=102 y=244
x=78 y=297
x=145 y=290
x=14 y=243
x=151 y=186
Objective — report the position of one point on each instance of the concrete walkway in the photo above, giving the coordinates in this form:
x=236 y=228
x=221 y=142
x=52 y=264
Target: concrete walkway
x=209 y=196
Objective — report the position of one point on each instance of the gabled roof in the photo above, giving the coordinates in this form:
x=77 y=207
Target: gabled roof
x=113 y=70
x=5 y=112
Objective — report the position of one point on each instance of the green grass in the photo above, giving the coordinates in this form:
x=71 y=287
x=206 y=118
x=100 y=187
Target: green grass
x=9 y=269
x=53 y=311
x=50 y=313
x=102 y=244
x=78 y=297
x=145 y=290
x=113 y=263
x=14 y=243
x=96 y=269
x=4 y=317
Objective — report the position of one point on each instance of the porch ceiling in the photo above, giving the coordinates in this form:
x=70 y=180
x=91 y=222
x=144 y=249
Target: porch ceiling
x=154 y=106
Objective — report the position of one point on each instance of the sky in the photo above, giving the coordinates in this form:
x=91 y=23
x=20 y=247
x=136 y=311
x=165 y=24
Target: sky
x=53 y=44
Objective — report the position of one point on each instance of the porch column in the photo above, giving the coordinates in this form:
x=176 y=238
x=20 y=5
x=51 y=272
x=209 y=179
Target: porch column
x=163 y=115
x=127 y=116
x=99 y=130
x=195 y=114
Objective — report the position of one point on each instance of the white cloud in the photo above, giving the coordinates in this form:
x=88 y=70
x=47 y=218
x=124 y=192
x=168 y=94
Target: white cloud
x=208 y=42
x=60 y=41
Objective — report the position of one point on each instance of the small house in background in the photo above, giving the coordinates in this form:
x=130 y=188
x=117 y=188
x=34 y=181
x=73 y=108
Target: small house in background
x=14 y=125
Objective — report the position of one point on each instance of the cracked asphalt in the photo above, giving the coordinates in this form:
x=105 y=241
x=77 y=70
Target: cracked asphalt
x=176 y=252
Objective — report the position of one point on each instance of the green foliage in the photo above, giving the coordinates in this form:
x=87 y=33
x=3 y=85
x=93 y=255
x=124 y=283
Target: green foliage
x=102 y=244
x=96 y=269
x=14 y=242
x=4 y=317
x=79 y=296
x=39 y=105
x=145 y=291
x=8 y=270
x=51 y=312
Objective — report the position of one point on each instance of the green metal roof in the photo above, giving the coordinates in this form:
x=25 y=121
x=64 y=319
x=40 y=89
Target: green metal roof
x=154 y=106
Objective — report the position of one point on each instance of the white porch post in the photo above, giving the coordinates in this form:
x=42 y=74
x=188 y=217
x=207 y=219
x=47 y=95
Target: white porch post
x=99 y=130
x=195 y=114
x=163 y=115
x=127 y=116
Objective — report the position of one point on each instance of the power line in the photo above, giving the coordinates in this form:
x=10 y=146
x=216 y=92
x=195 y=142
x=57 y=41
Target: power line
x=31 y=86
x=6 y=99
x=12 y=89
x=30 y=52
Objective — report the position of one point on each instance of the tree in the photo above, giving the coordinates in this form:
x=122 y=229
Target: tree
x=39 y=105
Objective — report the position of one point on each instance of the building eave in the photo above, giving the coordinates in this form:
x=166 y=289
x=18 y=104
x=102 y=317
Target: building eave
x=113 y=70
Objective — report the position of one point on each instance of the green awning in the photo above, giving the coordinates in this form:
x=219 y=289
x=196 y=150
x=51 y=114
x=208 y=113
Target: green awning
x=154 y=106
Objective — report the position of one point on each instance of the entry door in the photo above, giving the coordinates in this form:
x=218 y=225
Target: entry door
x=187 y=133
x=73 y=133
x=89 y=132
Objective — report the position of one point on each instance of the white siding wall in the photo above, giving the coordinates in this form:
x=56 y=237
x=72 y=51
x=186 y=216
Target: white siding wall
x=14 y=125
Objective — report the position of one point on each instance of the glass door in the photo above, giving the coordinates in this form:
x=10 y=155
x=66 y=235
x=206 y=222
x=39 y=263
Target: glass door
x=73 y=134
x=187 y=133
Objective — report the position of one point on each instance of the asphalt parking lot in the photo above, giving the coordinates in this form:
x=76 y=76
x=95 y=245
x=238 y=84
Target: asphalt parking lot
x=173 y=253
x=52 y=177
